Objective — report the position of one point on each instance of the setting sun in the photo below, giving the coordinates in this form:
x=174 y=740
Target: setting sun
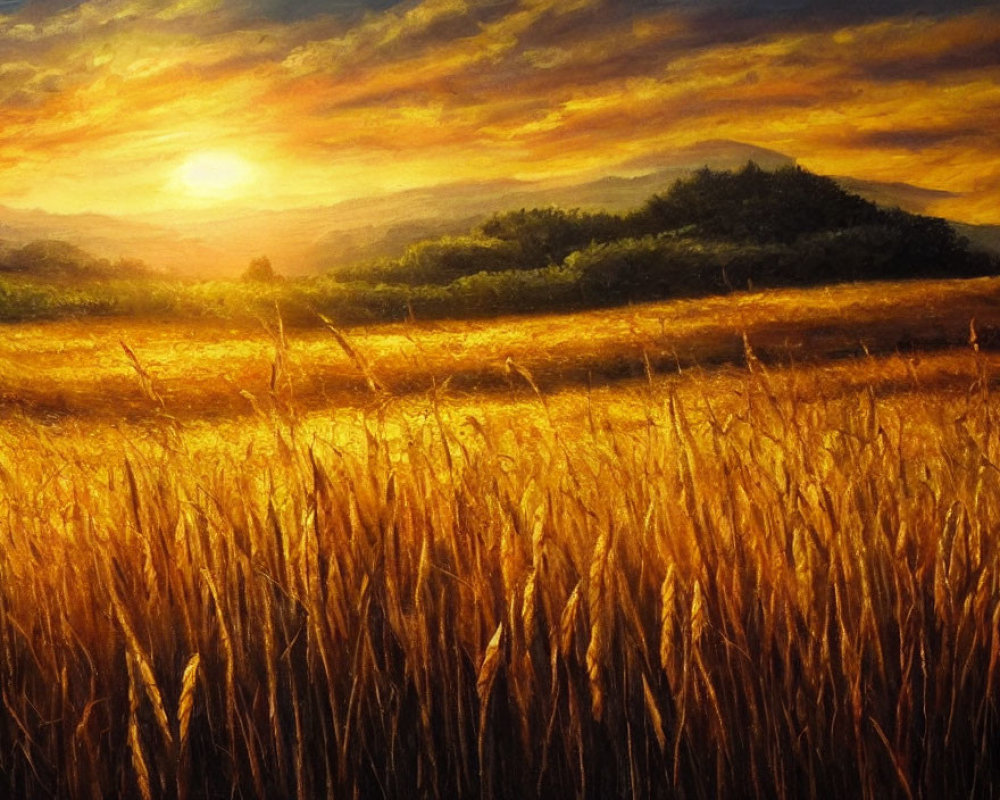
x=213 y=175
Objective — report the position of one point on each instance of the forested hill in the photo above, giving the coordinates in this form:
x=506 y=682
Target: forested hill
x=713 y=232
x=54 y=260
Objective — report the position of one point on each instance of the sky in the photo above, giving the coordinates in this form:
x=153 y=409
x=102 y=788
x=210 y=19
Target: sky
x=136 y=107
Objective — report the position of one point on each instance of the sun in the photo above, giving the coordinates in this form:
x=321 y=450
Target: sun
x=213 y=175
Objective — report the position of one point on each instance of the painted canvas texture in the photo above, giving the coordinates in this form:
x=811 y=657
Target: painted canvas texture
x=499 y=398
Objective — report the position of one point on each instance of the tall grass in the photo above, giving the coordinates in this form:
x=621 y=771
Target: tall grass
x=763 y=593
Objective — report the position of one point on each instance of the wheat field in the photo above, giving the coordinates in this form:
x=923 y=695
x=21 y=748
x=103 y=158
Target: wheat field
x=757 y=579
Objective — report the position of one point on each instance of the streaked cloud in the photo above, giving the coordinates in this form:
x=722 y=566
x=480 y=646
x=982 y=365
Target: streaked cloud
x=100 y=101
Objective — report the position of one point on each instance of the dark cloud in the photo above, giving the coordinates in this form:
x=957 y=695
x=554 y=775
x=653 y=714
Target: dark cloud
x=38 y=8
x=281 y=10
x=917 y=139
x=798 y=10
x=928 y=66
x=839 y=9
x=294 y=10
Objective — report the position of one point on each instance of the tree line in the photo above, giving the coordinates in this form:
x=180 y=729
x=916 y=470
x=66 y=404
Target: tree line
x=714 y=232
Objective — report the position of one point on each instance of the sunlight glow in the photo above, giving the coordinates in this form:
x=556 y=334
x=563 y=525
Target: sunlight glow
x=214 y=175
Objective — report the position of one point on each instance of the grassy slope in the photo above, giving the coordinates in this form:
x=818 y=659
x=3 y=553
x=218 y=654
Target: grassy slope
x=756 y=581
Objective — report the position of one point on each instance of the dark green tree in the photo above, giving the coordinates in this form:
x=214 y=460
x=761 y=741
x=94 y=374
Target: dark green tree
x=260 y=270
x=546 y=236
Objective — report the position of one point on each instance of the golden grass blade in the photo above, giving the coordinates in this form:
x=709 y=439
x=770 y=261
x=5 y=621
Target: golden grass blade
x=374 y=384
x=185 y=705
x=654 y=715
x=145 y=379
x=698 y=614
x=139 y=763
x=668 y=621
x=138 y=657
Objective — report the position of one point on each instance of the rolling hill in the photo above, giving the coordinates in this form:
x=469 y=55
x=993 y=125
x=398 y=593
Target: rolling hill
x=303 y=241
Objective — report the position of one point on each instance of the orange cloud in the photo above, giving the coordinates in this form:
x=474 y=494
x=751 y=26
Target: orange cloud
x=100 y=103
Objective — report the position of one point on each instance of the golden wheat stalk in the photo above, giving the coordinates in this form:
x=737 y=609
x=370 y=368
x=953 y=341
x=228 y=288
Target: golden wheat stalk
x=139 y=763
x=138 y=657
x=185 y=707
x=374 y=384
x=185 y=704
x=668 y=620
x=597 y=605
x=145 y=379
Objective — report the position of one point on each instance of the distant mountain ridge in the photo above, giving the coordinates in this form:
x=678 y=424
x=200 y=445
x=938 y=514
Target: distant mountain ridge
x=981 y=237
x=211 y=243
x=711 y=232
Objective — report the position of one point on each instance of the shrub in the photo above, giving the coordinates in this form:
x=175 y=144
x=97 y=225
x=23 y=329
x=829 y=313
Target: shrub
x=547 y=235
x=260 y=271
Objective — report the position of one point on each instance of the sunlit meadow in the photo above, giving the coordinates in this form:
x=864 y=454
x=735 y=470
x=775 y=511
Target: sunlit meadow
x=444 y=560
